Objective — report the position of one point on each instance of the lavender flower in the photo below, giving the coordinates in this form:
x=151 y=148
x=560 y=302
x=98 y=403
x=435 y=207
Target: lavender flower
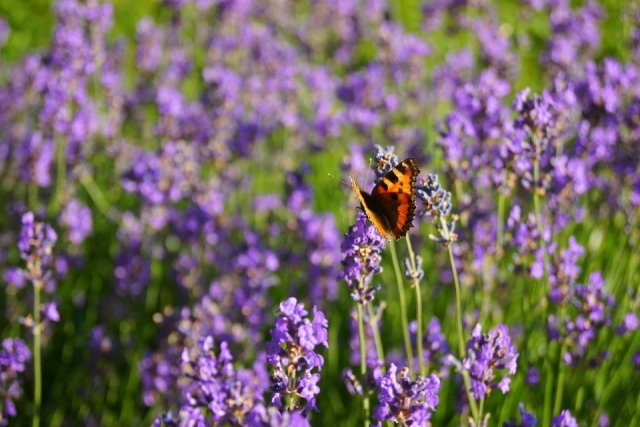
x=291 y=352
x=361 y=249
x=487 y=353
x=406 y=402
x=36 y=242
x=629 y=324
x=14 y=354
x=77 y=218
x=635 y=359
x=564 y=420
x=528 y=420
x=594 y=306
x=436 y=202
x=226 y=394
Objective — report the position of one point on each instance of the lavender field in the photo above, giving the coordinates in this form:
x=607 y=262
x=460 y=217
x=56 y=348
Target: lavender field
x=173 y=251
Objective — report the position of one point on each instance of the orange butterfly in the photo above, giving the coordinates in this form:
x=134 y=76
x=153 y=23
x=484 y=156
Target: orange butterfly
x=391 y=205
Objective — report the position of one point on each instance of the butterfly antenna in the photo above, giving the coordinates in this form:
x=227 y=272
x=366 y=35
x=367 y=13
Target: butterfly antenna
x=366 y=179
x=342 y=181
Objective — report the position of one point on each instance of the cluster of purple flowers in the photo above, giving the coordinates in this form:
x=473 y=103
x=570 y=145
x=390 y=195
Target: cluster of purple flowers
x=361 y=257
x=14 y=355
x=406 y=401
x=291 y=352
x=487 y=353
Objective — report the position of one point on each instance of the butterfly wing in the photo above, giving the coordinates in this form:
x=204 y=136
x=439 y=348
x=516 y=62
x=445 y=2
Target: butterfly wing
x=396 y=193
x=376 y=211
x=391 y=206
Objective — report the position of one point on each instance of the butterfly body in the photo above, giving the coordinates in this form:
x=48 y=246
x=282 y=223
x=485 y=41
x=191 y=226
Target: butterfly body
x=391 y=206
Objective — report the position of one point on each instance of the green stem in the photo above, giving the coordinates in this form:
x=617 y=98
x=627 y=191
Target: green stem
x=373 y=323
x=546 y=414
x=363 y=362
x=421 y=366
x=33 y=196
x=416 y=285
x=465 y=374
x=500 y=234
x=37 y=364
x=96 y=194
x=403 y=307
x=61 y=173
x=562 y=371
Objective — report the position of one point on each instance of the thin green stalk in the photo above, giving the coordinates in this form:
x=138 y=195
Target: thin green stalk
x=96 y=194
x=465 y=374
x=421 y=367
x=37 y=363
x=546 y=414
x=61 y=172
x=363 y=363
x=33 y=196
x=373 y=323
x=562 y=371
x=500 y=233
x=416 y=285
x=403 y=307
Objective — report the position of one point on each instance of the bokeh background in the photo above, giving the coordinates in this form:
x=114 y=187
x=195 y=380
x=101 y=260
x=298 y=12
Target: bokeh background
x=181 y=151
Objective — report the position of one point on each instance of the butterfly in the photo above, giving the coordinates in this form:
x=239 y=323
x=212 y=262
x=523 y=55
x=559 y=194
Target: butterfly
x=391 y=205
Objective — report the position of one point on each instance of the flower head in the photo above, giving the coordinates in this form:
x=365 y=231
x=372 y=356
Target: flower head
x=291 y=352
x=487 y=353
x=14 y=354
x=361 y=249
x=406 y=401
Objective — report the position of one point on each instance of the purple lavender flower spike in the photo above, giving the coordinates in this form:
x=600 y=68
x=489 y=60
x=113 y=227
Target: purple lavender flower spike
x=564 y=420
x=406 y=401
x=77 y=218
x=487 y=353
x=36 y=242
x=14 y=354
x=361 y=249
x=229 y=395
x=629 y=324
x=635 y=359
x=291 y=352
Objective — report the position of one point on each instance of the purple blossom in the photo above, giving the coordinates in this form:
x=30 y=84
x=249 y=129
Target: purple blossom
x=406 y=401
x=14 y=354
x=291 y=352
x=533 y=376
x=149 y=45
x=229 y=395
x=436 y=201
x=487 y=353
x=361 y=249
x=527 y=419
x=564 y=420
x=635 y=359
x=36 y=242
x=629 y=324
x=77 y=218
x=594 y=305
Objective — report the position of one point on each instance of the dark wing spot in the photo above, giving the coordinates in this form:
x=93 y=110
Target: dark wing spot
x=383 y=185
x=391 y=176
x=400 y=190
x=402 y=168
x=394 y=196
